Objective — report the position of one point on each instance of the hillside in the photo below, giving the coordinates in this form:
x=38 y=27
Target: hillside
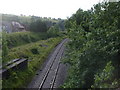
x=14 y=23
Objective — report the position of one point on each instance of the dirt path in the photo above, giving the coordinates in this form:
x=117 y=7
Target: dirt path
x=53 y=72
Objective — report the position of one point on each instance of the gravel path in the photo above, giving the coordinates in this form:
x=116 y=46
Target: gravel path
x=53 y=72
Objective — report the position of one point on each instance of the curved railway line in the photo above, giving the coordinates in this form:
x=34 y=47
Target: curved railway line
x=47 y=77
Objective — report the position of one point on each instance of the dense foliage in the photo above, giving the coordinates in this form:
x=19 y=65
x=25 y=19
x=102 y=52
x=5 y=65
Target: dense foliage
x=38 y=26
x=94 y=45
x=53 y=31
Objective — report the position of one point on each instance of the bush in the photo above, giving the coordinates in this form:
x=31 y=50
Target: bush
x=53 y=31
x=34 y=51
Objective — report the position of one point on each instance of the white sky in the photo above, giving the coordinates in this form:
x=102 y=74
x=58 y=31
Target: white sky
x=45 y=8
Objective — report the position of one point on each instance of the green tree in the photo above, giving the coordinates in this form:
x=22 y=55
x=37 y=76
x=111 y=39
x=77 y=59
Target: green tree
x=38 y=26
x=53 y=31
x=94 y=41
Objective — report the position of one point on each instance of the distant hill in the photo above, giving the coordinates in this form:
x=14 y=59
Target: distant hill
x=14 y=23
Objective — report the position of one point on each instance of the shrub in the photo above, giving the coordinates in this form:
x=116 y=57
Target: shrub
x=34 y=51
x=53 y=31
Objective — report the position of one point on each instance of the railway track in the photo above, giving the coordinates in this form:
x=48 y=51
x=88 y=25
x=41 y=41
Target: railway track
x=49 y=76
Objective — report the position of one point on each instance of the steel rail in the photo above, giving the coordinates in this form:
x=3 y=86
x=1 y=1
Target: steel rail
x=46 y=74
x=54 y=78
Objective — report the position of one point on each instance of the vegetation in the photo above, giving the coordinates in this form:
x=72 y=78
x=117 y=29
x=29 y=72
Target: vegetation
x=36 y=54
x=53 y=31
x=38 y=26
x=28 y=45
x=17 y=39
x=20 y=38
x=93 y=51
x=105 y=78
x=29 y=21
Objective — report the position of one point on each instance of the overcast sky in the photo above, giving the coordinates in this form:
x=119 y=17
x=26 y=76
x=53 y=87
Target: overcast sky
x=45 y=8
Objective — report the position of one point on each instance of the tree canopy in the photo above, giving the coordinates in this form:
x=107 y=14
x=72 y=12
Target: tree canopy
x=38 y=26
x=94 y=47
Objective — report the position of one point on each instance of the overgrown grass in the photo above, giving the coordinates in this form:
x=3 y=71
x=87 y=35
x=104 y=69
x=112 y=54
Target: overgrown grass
x=36 y=53
x=17 y=39
x=20 y=38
